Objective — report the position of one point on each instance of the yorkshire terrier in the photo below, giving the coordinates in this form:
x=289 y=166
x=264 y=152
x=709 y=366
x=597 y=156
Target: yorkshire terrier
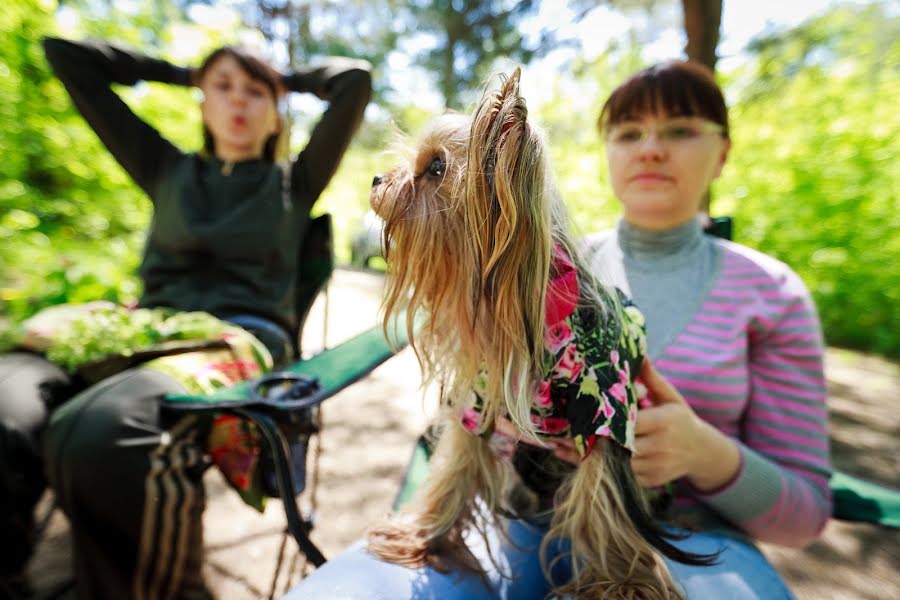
x=503 y=314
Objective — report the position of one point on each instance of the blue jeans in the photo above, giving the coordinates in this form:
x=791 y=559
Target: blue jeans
x=742 y=573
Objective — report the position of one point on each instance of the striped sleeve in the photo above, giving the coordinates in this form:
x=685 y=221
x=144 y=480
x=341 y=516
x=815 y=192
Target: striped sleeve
x=781 y=491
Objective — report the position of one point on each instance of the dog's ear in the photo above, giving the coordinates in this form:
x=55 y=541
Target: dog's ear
x=507 y=206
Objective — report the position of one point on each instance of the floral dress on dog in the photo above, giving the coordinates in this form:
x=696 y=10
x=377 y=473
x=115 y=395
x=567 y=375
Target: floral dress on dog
x=589 y=390
x=591 y=360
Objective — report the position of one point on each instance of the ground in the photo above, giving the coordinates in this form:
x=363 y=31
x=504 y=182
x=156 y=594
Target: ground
x=369 y=433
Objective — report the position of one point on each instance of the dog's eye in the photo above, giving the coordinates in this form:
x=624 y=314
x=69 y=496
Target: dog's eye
x=436 y=168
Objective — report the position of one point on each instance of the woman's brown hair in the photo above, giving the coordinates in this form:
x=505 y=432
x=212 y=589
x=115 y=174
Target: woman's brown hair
x=676 y=89
x=257 y=69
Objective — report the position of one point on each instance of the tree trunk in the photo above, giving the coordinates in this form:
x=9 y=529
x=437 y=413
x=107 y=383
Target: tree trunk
x=702 y=19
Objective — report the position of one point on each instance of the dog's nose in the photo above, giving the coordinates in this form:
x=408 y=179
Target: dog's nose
x=376 y=180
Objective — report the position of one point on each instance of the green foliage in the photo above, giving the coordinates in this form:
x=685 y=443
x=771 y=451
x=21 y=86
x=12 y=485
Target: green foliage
x=64 y=203
x=76 y=334
x=470 y=36
x=812 y=178
x=308 y=30
x=118 y=331
x=71 y=220
x=814 y=171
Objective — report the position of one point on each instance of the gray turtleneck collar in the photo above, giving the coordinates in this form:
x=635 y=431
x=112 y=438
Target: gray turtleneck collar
x=668 y=274
x=656 y=249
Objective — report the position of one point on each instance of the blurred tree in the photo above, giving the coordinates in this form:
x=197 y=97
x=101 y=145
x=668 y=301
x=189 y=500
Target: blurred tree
x=470 y=35
x=814 y=172
x=141 y=24
x=701 y=21
x=299 y=31
x=457 y=40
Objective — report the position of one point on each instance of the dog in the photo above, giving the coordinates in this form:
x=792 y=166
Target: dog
x=526 y=346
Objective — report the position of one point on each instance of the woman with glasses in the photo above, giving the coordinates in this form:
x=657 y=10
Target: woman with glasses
x=742 y=447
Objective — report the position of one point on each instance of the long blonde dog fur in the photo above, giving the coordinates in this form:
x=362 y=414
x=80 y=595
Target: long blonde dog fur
x=470 y=227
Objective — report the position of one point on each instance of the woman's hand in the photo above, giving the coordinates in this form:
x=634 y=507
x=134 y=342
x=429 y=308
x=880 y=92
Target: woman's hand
x=672 y=441
x=562 y=447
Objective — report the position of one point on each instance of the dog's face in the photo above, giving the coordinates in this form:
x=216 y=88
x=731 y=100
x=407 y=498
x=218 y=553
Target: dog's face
x=427 y=185
x=419 y=202
x=467 y=234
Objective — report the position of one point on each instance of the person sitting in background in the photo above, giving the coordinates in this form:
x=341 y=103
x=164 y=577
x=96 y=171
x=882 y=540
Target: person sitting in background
x=227 y=226
x=743 y=443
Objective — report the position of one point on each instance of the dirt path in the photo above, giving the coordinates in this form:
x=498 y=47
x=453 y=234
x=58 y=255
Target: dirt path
x=854 y=561
x=369 y=433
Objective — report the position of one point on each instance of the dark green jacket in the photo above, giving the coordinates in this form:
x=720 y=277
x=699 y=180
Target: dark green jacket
x=224 y=241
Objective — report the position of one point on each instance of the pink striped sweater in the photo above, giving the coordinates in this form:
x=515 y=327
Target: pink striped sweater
x=737 y=333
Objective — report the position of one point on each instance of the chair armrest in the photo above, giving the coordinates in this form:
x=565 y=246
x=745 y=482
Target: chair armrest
x=335 y=368
x=859 y=500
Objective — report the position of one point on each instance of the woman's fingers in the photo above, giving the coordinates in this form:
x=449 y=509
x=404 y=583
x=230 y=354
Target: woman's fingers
x=650 y=420
x=562 y=447
x=644 y=446
x=504 y=426
x=569 y=455
x=648 y=471
x=661 y=391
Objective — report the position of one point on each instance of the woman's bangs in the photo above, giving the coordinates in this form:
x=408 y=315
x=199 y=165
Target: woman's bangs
x=673 y=90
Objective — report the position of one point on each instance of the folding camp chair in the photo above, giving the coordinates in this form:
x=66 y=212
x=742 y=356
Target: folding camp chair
x=284 y=404
x=281 y=403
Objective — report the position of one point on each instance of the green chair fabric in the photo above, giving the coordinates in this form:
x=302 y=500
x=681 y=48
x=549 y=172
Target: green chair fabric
x=416 y=472
x=859 y=500
x=335 y=368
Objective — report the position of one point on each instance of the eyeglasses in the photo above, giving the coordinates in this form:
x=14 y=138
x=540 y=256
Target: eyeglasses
x=670 y=134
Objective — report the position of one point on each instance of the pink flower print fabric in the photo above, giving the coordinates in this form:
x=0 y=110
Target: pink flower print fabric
x=592 y=356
